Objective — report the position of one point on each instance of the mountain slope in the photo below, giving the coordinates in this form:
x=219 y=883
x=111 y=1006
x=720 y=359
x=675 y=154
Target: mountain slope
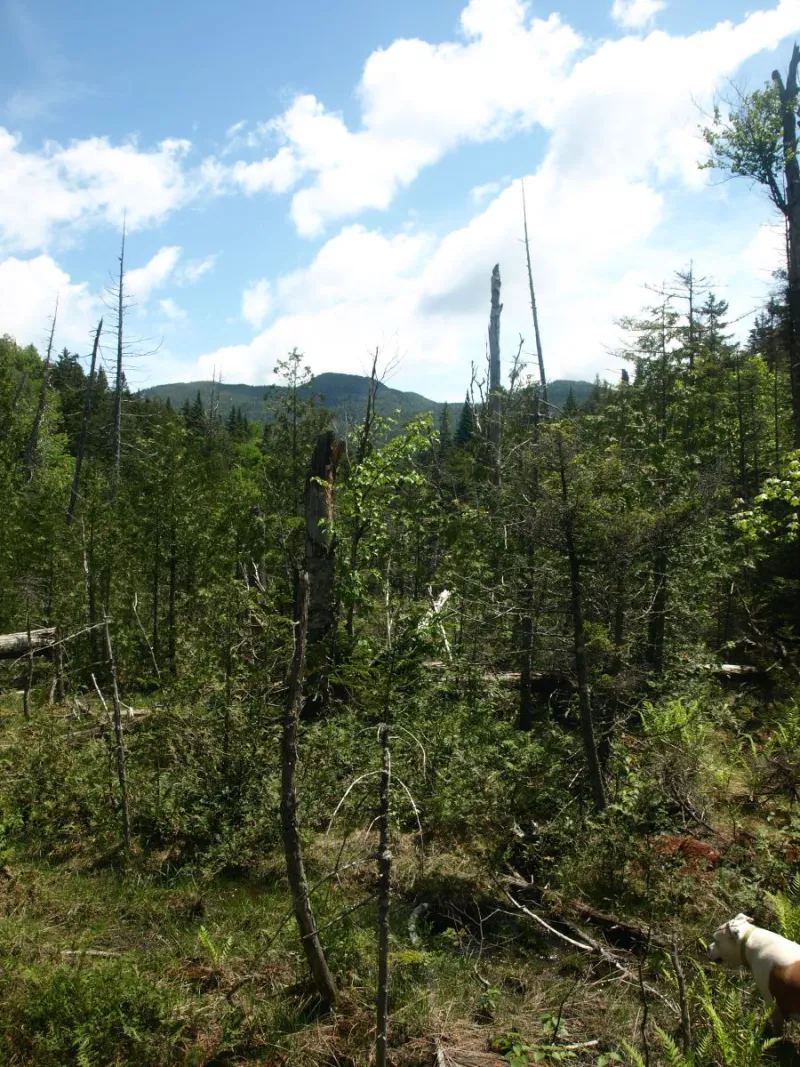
x=344 y=394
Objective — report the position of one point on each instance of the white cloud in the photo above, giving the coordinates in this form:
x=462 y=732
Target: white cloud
x=604 y=207
x=140 y=282
x=480 y=193
x=194 y=270
x=256 y=303
x=419 y=101
x=87 y=182
x=636 y=14
x=172 y=310
x=30 y=288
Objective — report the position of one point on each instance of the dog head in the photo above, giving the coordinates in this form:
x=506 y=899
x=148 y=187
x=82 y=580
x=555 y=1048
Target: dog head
x=726 y=945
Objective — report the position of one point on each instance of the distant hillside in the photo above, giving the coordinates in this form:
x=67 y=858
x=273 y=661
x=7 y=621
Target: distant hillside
x=344 y=394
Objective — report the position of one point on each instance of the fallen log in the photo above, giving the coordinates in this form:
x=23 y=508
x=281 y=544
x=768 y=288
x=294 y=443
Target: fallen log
x=14 y=646
x=618 y=932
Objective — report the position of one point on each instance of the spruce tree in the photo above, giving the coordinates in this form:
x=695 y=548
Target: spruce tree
x=466 y=424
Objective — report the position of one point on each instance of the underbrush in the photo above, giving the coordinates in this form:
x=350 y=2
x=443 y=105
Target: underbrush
x=183 y=952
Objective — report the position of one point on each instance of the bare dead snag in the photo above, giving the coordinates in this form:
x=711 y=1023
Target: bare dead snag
x=320 y=563
x=87 y=411
x=534 y=312
x=686 y=1022
x=789 y=203
x=494 y=364
x=119 y=376
x=579 y=642
x=384 y=897
x=33 y=440
x=121 y=764
x=295 y=868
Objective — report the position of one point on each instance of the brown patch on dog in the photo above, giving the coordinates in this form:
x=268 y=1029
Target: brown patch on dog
x=784 y=984
x=690 y=848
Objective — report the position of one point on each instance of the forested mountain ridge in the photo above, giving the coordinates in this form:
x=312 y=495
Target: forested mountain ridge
x=447 y=740
x=343 y=394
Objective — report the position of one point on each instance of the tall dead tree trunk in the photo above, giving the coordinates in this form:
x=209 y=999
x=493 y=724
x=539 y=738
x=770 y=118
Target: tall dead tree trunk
x=384 y=897
x=534 y=312
x=87 y=411
x=122 y=774
x=320 y=565
x=579 y=642
x=791 y=207
x=494 y=364
x=362 y=451
x=173 y=592
x=33 y=440
x=290 y=830
x=118 y=383
x=657 y=623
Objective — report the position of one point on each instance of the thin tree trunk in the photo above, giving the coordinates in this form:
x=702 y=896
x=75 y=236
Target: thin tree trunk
x=33 y=440
x=525 y=720
x=320 y=564
x=494 y=364
x=295 y=869
x=121 y=768
x=788 y=97
x=743 y=487
x=156 y=584
x=118 y=382
x=362 y=451
x=656 y=629
x=539 y=353
x=581 y=664
x=87 y=411
x=173 y=581
x=384 y=897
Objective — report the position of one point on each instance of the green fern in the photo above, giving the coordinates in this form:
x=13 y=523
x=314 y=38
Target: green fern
x=726 y=1033
x=787 y=909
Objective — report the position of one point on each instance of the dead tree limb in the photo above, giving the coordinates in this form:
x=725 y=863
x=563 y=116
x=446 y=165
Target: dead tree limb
x=295 y=868
x=33 y=440
x=87 y=411
x=384 y=897
x=539 y=353
x=121 y=767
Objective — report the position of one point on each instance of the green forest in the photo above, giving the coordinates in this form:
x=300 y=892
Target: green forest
x=435 y=740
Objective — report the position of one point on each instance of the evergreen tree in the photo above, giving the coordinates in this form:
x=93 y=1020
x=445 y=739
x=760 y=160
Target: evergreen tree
x=445 y=432
x=465 y=430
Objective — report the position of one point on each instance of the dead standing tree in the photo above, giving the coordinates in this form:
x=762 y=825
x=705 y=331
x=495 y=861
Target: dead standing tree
x=290 y=830
x=534 y=312
x=494 y=367
x=87 y=411
x=119 y=379
x=33 y=440
x=579 y=636
x=320 y=566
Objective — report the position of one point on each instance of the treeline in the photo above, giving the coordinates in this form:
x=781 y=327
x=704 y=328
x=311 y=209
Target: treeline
x=635 y=505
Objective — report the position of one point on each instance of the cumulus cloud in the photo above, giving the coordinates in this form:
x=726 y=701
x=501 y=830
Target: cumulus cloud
x=636 y=14
x=256 y=303
x=86 y=182
x=621 y=159
x=173 y=311
x=194 y=270
x=481 y=193
x=30 y=288
x=140 y=282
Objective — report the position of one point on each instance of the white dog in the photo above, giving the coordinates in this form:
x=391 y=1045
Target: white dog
x=773 y=960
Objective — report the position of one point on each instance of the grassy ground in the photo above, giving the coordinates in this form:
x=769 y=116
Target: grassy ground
x=111 y=960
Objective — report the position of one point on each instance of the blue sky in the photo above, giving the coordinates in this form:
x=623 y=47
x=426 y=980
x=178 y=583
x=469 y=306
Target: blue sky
x=344 y=176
